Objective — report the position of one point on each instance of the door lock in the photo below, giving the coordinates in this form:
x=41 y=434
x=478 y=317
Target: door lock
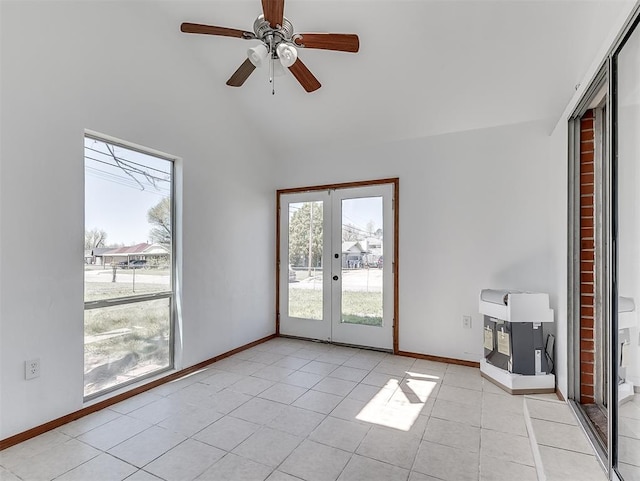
x=335 y=278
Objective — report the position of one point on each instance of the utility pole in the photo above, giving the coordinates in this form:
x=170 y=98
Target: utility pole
x=310 y=238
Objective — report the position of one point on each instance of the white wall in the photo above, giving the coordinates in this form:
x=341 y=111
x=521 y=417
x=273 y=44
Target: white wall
x=67 y=66
x=476 y=211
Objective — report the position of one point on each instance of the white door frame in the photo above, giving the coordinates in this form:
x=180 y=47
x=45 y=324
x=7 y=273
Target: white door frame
x=391 y=255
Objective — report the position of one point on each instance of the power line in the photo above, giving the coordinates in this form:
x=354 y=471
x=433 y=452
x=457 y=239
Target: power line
x=128 y=160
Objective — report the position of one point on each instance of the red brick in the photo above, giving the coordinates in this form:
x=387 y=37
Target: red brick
x=586 y=288
x=586 y=311
x=587 y=345
x=586 y=222
x=586 y=378
x=586 y=156
x=589 y=114
x=586 y=323
x=586 y=167
x=587 y=244
x=587 y=400
x=586 y=233
x=587 y=334
x=586 y=390
x=586 y=356
x=586 y=189
x=586 y=136
x=586 y=124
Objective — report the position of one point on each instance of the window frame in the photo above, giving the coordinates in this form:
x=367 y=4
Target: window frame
x=169 y=294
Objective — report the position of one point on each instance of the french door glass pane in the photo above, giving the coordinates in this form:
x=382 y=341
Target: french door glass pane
x=305 y=260
x=125 y=342
x=362 y=261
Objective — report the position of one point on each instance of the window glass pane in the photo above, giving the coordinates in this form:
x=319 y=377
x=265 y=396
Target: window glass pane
x=305 y=260
x=124 y=342
x=128 y=248
x=127 y=222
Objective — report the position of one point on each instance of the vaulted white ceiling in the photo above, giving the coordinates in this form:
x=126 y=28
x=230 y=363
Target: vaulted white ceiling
x=424 y=68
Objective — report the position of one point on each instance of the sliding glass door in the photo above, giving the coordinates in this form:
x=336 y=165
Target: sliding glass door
x=626 y=75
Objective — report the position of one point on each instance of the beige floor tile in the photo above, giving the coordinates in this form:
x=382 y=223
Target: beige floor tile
x=114 y=432
x=235 y=468
x=259 y=411
x=465 y=380
x=499 y=404
x=453 y=434
x=17 y=454
x=563 y=465
x=296 y=421
x=339 y=433
x=390 y=446
x=461 y=395
x=458 y=412
x=313 y=461
x=347 y=373
x=251 y=386
x=190 y=420
x=143 y=448
x=268 y=446
x=227 y=433
x=507 y=447
x=494 y=469
x=506 y=422
x=87 y=423
x=360 y=468
x=560 y=435
x=319 y=367
x=101 y=468
x=185 y=462
x=556 y=411
x=335 y=386
x=291 y=362
x=55 y=461
x=303 y=379
x=447 y=463
x=283 y=393
x=318 y=401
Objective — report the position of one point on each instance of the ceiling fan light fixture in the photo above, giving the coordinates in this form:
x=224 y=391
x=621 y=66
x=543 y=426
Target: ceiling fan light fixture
x=258 y=55
x=287 y=54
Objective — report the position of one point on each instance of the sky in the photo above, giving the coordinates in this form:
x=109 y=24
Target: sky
x=117 y=198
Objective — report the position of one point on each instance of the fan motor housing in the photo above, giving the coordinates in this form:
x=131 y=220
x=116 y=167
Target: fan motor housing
x=263 y=29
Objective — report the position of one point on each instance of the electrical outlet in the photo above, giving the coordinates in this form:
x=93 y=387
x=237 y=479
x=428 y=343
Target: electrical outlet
x=466 y=322
x=32 y=369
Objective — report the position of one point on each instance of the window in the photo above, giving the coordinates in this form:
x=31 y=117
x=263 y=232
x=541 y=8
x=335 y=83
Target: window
x=128 y=264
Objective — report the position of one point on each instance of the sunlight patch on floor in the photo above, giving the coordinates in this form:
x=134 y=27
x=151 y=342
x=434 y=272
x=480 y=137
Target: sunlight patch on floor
x=404 y=406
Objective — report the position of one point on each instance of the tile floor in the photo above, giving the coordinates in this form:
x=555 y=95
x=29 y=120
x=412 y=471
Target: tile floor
x=629 y=440
x=291 y=410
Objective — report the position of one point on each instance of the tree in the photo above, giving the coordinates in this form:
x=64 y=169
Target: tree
x=304 y=225
x=160 y=217
x=94 y=238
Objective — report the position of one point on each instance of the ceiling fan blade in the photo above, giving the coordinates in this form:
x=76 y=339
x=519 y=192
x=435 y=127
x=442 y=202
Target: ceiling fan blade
x=273 y=11
x=342 y=42
x=304 y=76
x=212 y=30
x=242 y=74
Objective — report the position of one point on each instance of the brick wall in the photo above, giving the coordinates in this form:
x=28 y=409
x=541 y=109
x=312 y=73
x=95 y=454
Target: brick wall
x=587 y=257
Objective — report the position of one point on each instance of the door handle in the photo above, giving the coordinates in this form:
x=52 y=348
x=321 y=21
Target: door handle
x=335 y=278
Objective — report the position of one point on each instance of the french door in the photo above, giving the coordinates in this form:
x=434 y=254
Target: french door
x=336 y=275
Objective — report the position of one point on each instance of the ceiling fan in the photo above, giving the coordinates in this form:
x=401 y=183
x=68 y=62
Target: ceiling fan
x=279 y=44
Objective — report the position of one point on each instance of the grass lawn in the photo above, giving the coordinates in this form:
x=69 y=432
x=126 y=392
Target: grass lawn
x=357 y=307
